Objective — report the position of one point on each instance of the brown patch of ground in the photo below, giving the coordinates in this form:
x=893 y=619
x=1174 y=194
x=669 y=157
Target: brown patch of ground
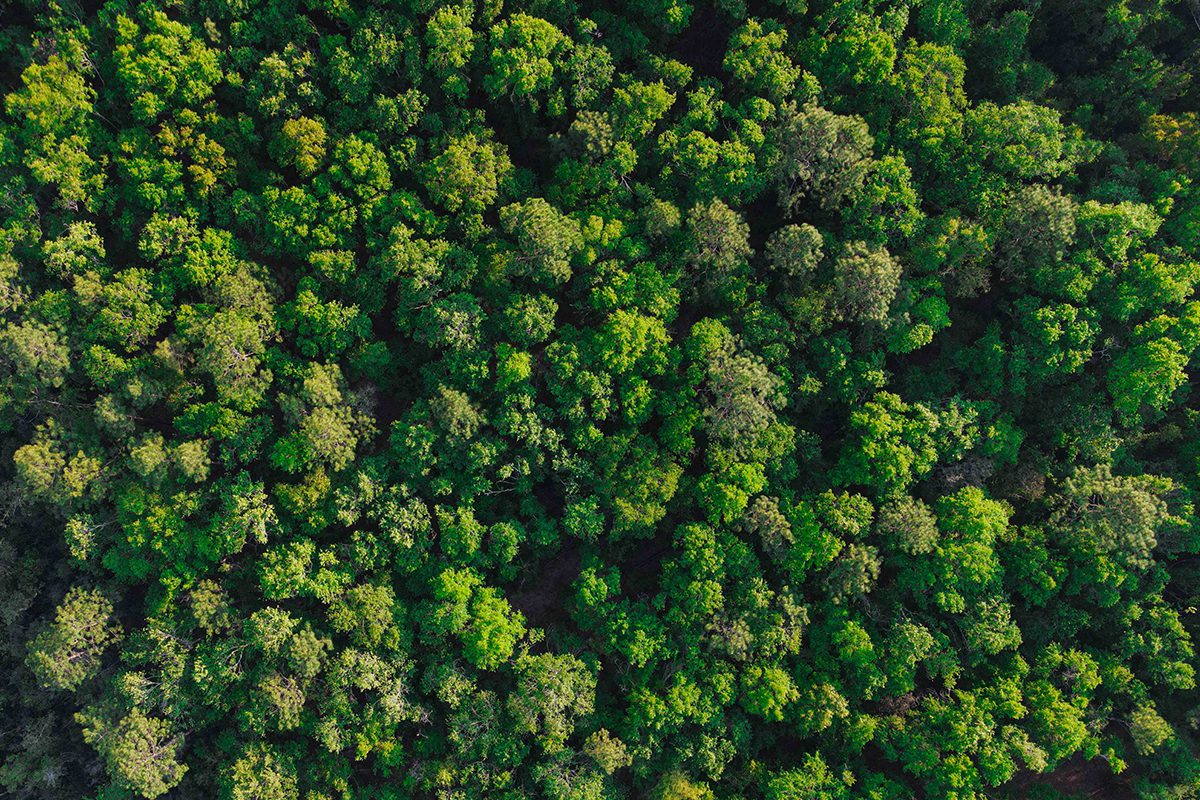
x=542 y=592
x=1078 y=777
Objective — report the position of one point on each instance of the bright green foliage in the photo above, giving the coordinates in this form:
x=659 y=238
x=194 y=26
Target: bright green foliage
x=525 y=52
x=140 y=751
x=161 y=64
x=1148 y=729
x=768 y=690
x=892 y=445
x=69 y=651
x=818 y=154
x=450 y=42
x=599 y=400
x=757 y=56
x=55 y=104
x=467 y=172
x=677 y=786
x=740 y=392
x=546 y=240
x=300 y=144
x=551 y=691
x=812 y=778
x=478 y=615
x=261 y=774
x=1146 y=375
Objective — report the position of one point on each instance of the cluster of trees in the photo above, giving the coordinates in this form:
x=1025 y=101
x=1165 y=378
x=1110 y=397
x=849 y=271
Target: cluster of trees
x=679 y=399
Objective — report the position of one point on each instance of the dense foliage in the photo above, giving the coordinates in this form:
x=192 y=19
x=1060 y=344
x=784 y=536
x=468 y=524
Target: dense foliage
x=671 y=399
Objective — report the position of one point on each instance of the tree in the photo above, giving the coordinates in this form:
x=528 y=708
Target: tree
x=360 y=168
x=768 y=690
x=161 y=64
x=1146 y=376
x=552 y=690
x=590 y=70
x=1038 y=227
x=1052 y=340
x=1021 y=140
x=326 y=428
x=930 y=81
x=524 y=53
x=482 y=619
x=55 y=104
x=1148 y=729
x=741 y=394
x=546 y=239
x=68 y=652
x=261 y=773
x=609 y=752
x=467 y=173
x=865 y=281
x=140 y=751
x=367 y=614
x=300 y=144
x=455 y=414
x=36 y=358
x=890 y=446
x=677 y=786
x=764 y=519
x=529 y=319
x=854 y=573
x=819 y=155
x=963 y=570
x=756 y=57
x=907 y=524
x=718 y=241
x=51 y=472
x=451 y=43
x=795 y=250
x=812 y=779
x=1117 y=514
x=637 y=107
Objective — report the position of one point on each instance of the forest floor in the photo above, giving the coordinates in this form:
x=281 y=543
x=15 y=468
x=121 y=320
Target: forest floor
x=1079 y=777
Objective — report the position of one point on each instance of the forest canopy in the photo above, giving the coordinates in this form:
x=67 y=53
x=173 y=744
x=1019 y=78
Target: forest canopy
x=665 y=399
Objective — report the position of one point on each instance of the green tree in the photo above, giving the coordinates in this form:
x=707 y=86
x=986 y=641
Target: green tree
x=525 y=52
x=552 y=691
x=1145 y=376
x=795 y=250
x=261 y=773
x=140 y=751
x=812 y=779
x=891 y=444
x=740 y=392
x=546 y=239
x=819 y=155
x=768 y=690
x=1148 y=729
x=161 y=64
x=451 y=43
x=757 y=57
x=55 y=104
x=467 y=173
x=478 y=615
x=68 y=652
x=718 y=242
x=300 y=144
x=865 y=281
x=1117 y=514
